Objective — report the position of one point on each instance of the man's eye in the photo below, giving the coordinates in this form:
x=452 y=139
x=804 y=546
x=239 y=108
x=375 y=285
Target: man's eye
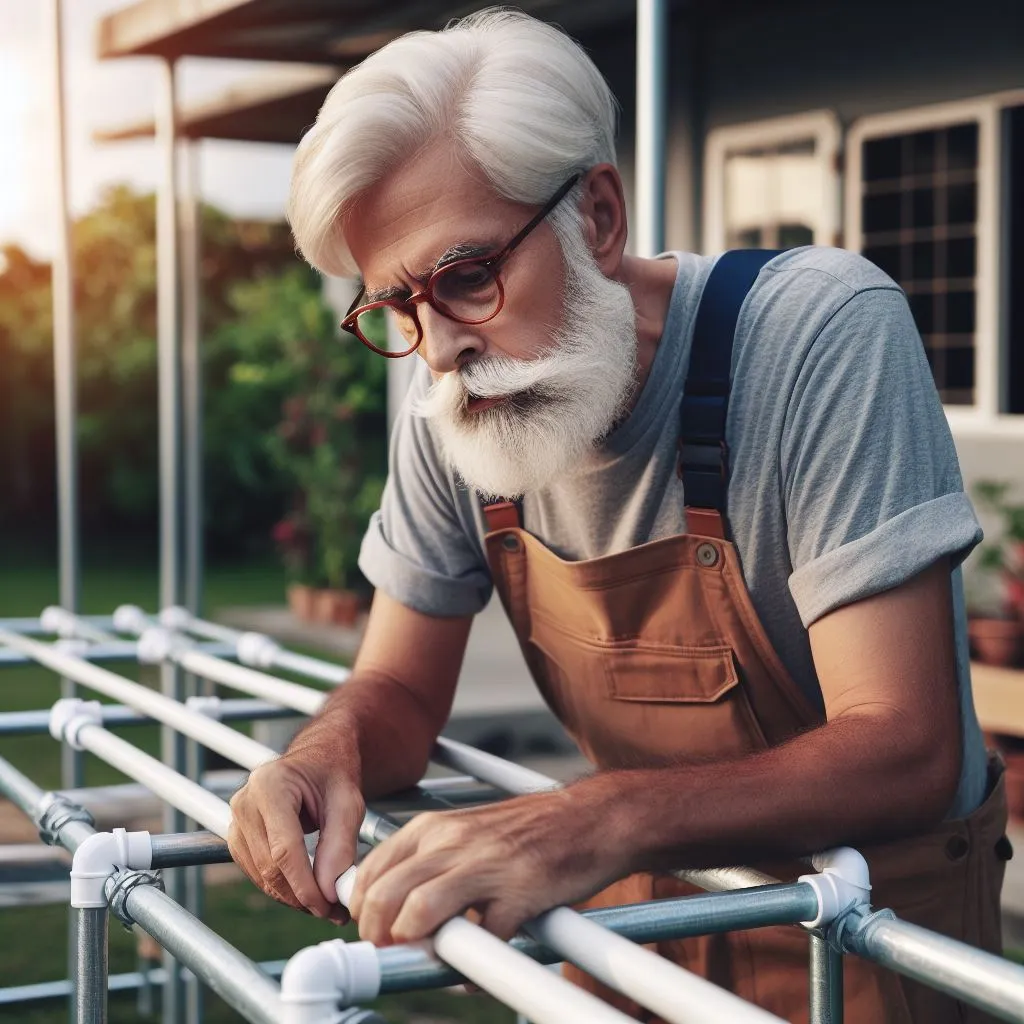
x=465 y=279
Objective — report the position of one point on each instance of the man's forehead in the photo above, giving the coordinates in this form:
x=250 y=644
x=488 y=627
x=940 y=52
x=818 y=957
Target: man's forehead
x=421 y=214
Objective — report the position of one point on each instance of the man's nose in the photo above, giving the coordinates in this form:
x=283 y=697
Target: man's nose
x=446 y=344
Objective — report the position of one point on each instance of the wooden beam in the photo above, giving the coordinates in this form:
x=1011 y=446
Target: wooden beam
x=999 y=698
x=147 y=26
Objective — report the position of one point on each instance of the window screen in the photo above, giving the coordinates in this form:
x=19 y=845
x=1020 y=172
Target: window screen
x=919 y=213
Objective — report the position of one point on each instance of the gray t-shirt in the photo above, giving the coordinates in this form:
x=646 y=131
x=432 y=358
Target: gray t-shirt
x=843 y=482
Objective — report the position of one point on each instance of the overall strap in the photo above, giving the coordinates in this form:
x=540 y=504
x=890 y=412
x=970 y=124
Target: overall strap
x=502 y=514
x=703 y=455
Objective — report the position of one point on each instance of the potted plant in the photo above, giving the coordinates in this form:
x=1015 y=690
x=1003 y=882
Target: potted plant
x=332 y=442
x=996 y=627
x=294 y=543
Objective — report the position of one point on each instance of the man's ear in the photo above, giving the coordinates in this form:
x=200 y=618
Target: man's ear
x=603 y=211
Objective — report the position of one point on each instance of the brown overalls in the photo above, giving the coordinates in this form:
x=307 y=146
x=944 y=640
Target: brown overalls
x=656 y=654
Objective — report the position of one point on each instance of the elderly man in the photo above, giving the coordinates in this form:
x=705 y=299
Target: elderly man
x=735 y=583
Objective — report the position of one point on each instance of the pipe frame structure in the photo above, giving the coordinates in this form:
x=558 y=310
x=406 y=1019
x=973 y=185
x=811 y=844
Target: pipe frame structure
x=901 y=946
x=240 y=982
x=966 y=973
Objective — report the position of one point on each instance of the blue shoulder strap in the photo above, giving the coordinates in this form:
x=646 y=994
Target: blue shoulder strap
x=703 y=455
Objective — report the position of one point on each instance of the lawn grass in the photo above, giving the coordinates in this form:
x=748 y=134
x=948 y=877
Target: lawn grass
x=26 y=588
x=32 y=939
x=250 y=921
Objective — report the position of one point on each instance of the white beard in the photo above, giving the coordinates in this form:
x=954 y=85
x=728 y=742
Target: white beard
x=559 y=406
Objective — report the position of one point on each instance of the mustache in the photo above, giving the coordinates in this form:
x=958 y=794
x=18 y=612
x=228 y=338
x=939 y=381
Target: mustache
x=546 y=377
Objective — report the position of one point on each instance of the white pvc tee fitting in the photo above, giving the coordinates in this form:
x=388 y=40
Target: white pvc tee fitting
x=319 y=978
x=843 y=881
x=130 y=618
x=256 y=650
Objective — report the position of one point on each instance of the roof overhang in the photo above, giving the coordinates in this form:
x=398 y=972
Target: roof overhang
x=306 y=31
x=276 y=107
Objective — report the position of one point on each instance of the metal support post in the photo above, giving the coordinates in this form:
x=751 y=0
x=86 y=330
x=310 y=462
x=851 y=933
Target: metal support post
x=65 y=397
x=652 y=24
x=170 y=406
x=90 y=977
x=826 y=982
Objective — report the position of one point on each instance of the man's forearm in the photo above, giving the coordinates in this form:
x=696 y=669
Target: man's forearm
x=848 y=782
x=375 y=730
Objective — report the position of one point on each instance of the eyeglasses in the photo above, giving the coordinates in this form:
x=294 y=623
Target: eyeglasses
x=468 y=291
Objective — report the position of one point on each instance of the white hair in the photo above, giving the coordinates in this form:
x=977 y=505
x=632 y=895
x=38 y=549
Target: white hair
x=518 y=98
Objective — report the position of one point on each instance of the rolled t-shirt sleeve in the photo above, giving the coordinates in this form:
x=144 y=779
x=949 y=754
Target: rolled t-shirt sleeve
x=421 y=547
x=869 y=473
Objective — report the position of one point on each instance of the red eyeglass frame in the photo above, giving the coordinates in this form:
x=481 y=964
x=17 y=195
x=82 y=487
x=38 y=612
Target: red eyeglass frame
x=491 y=263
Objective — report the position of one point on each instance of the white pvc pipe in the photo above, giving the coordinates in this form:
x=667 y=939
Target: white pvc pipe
x=679 y=996
x=674 y=994
x=510 y=976
x=80 y=724
x=468 y=948
x=232 y=744
x=157 y=644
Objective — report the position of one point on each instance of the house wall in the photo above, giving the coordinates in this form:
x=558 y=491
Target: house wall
x=772 y=60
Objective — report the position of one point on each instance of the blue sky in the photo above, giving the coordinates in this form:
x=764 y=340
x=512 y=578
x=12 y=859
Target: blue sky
x=245 y=179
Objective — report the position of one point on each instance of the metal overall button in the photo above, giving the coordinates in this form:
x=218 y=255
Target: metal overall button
x=957 y=847
x=510 y=542
x=707 y=555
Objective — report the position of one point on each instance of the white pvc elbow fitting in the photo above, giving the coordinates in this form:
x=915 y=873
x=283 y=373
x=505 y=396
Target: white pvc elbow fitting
x=175 y=617
x=843 y=881
x=57 y=620
x=99 y=857
x=69 y=715
x=318 y=979
x=157 y=644
x=130 y=618
x=256 y=650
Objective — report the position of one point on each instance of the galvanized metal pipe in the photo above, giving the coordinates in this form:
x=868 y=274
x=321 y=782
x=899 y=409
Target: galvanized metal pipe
x=29 y=625
x=20 y=789
x=27 y=723
x=90 y=977
x=233 y=976
x=188 y=849
x=405 y=968
x=652 y=24
x=825 y=981
x=170 y=452
x=969 y=974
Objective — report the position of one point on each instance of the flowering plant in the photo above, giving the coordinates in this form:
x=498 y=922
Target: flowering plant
x=1005 y=555
x=332 y=443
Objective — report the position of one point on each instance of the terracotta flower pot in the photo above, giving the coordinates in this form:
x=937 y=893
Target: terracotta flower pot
x=337 y=607
x=995 y=641
x=302 y=601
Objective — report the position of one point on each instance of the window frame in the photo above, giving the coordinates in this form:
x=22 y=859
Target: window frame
x=985 y=415
x=820 y=125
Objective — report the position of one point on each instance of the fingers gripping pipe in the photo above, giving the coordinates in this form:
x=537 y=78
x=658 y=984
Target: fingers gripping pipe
x=104 y=853
x=842 y=883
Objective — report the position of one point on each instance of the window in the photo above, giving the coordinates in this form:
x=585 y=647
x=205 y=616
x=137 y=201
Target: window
x=772 y=184
x=935 y=197
x=919 y=223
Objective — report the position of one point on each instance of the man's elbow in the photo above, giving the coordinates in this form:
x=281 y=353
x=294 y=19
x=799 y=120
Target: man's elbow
x=933 y=766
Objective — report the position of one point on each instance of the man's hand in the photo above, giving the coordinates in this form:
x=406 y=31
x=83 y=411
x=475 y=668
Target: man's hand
x=373 y=736
x=300 y=792
x=508 y=862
